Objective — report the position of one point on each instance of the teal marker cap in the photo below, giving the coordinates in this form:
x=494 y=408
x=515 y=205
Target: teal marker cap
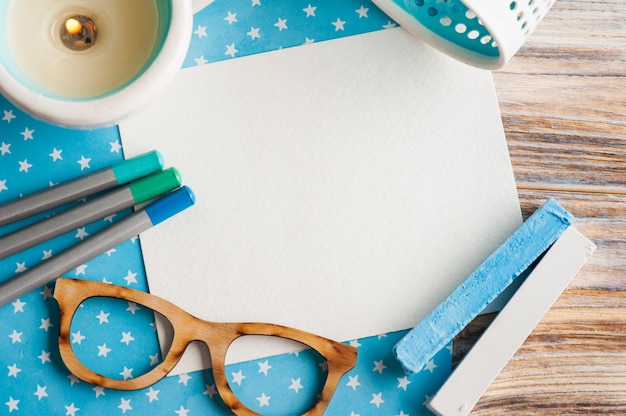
x=138 y=167
x=170 y=205
x=155 y=185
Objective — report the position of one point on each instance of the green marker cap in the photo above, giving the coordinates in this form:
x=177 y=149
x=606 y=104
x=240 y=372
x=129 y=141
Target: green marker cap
x=155 y=185
x=138 y=167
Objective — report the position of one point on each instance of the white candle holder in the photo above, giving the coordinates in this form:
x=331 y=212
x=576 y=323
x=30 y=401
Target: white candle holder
x=90 y=78
x=482 y=33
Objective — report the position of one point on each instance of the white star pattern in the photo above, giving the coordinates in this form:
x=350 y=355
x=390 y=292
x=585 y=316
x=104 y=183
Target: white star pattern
x=81 y=233
x=41 y=392
x=127 y=373
x=16 y=336
x=281 y=24
x=403 y=382
x=103 y=350
x=84 y=162
x=264 y=367
x=354 y=382
x=73 y=379
x=201 y=60
x=254 y=33
x=238 y=377
x=200 y=32
x=430 y=366
x=184 y=378
x=231 y=18
x=71 y=410
x=339 y=24
x=8 y=116
x=379 y=366
x=27 y=134
x=132 y=306
x=103 y=317
x=127 y=338
x=125 y=405
x=5 y=148
x=296 y=384
x=13 y=370
x=20 y=267
x=18 y=306
x=130 y=278
x=355 y=343
x=77 y=338
x=377 y=399
x=362 y=12
x=115 y=146
x=231 y=50
x=80 y=270
x=46 y=292
x=224 y=30
x=153 y=394
x=25 y=166
x=12 y=404
x=99 y=390
x=44 y=357
x=56 y=154
x=310 y=11
x=263 y=400
x=182 y=411
x=210 y=391
x=46 y=324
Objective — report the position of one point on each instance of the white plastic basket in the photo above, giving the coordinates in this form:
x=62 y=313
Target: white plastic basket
x=482 y=33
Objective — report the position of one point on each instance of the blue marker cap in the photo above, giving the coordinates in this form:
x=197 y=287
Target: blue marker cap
x=170 y=205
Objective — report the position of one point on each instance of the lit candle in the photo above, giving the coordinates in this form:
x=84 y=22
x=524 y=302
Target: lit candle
x=82 y=49
x=79 y=33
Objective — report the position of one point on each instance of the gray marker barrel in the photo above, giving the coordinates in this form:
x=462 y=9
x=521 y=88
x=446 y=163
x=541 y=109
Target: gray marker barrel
x=73 y=257
x=113 y=202
x=76 y=189
x=110 y=237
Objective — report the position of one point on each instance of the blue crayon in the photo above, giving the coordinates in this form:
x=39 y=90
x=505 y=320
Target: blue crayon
x=512 y=258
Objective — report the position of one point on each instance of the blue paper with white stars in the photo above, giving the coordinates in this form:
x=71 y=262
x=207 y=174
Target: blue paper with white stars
x=118 y=337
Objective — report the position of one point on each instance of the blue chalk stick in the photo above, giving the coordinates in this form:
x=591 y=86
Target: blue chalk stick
x=512 y=258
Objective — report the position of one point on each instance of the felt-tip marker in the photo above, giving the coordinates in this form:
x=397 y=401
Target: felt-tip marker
x=118 y=174
x=121 y=231
x=135 y=193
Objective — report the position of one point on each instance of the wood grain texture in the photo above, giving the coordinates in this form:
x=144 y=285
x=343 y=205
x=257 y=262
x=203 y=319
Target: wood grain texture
x=70 y=294
x=563 y=103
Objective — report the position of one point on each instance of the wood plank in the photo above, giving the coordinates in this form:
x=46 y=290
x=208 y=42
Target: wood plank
x=573 y=363
x=563 y=103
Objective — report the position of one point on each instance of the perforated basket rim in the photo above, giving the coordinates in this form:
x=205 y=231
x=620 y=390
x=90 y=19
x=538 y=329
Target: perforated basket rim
x=501 y=18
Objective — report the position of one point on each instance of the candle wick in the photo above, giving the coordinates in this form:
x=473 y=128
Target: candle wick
x=78 y=33
x=73 y=26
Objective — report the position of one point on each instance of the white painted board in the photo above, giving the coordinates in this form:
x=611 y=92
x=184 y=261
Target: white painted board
x=514 y=323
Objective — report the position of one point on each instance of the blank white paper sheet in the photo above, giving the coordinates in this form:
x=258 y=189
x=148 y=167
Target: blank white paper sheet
x=343 y=187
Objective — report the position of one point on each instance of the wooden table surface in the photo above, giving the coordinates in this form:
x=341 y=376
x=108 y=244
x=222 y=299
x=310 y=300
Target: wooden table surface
x=563 y=102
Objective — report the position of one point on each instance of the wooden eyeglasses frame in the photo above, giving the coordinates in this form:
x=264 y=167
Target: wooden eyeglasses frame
x=70 y=293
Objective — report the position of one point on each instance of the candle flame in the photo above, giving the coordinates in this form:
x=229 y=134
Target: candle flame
x=73 y=26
